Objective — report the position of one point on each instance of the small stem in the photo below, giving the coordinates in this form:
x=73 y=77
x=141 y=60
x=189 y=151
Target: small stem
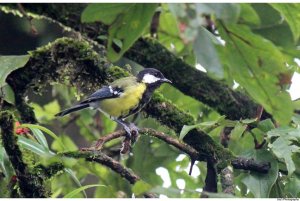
x=29 y=18
x=107 y=161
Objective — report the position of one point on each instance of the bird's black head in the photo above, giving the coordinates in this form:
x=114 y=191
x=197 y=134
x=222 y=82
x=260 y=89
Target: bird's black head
x=152 y=77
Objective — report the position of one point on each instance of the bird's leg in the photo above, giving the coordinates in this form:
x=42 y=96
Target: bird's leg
x=131 y=135
x=125 y=126
x=134 y=132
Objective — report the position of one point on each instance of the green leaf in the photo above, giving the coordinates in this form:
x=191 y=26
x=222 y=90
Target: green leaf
x=260 y=184
x=248 y=15
x=296 y=119
x=33 y=146
x=168 y=32
x=227 y=12
x=47 y=112
x=9 y=64
x=127 y=23
x=283 y=146
x=256 y=64
x=279 y=34
x=66 y=141
x=288 y=133
x=248 y=121
x=185 y=129
x=268 y=15
x=8 y=93
x=73 y=193
x=296 y=104
x=2 y=152
x=46 y=130
x=40 y=137
x=266 y=125
x=170 y=192
x=206 y=53
x=238 y=130
x=52 y=108
x=5 y=164
x=75 y=179
x=206 y=126
x=290 y=12
x=140 y=187
x=104 y=12
x=134 y=21
x=292 y=186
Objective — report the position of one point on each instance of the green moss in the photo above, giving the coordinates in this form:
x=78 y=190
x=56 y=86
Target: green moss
x=170 y=115
x=116 y=72
x=167 y=113
x=49 y=171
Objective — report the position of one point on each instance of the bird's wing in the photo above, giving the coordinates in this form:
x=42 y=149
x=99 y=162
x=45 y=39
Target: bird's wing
x=104 y=93
x=114 y=90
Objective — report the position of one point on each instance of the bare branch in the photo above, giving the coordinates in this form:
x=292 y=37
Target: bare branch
x=151 y=132
x=107 y=161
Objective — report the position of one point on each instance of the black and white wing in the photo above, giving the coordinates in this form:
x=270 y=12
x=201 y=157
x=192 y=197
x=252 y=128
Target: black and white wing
x=104 y=93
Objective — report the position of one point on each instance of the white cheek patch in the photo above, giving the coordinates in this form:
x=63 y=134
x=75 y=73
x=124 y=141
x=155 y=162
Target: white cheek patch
x=148 y=78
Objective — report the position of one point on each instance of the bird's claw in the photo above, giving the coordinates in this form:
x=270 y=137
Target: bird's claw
x=134 y=133
x=131 y=137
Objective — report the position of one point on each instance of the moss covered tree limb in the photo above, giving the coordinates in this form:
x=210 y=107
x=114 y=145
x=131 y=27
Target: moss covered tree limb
x=31 y=185
x=150 y=53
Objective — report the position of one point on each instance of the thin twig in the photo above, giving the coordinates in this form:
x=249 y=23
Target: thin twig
x=151 y=132
x=107 y=161
x=29 y=18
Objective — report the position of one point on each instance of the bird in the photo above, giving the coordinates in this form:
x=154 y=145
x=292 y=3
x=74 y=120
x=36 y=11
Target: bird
x=123 y=97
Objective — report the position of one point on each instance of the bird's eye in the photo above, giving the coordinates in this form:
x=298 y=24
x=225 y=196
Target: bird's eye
x=156 y=74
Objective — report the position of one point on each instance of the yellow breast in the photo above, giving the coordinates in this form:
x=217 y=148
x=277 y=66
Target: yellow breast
x=130 y=99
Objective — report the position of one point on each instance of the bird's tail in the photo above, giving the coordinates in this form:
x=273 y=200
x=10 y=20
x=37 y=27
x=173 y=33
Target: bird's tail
x=73 y=109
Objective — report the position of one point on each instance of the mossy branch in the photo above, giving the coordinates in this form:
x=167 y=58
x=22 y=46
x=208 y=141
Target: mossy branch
x=150 y=53
x=31 y=185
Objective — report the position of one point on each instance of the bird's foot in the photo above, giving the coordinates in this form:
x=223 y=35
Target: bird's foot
x=134 y=130
x=131 y=137
x=126 y=147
